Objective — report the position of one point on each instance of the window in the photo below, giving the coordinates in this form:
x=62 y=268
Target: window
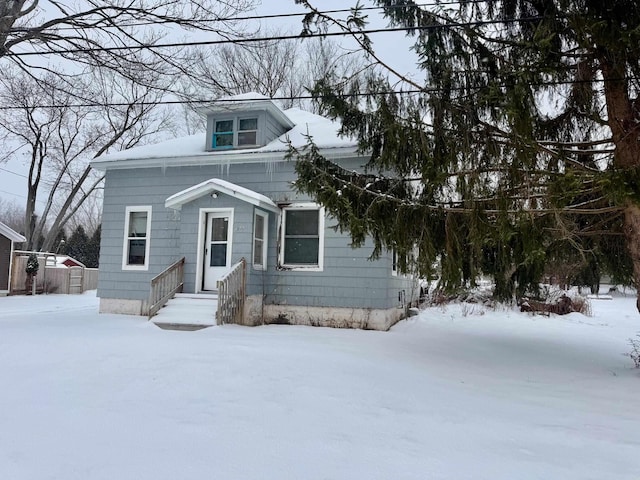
x=223 y=134
x=247 y=131
x=137 y=228
x=394 y=262
x=260 y=229
x=302 y=237
x=231 y=133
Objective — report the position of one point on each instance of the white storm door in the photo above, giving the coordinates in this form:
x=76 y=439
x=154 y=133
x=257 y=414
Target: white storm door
x=217 y=248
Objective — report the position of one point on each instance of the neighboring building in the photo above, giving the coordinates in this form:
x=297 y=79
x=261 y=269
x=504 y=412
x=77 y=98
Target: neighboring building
x=7 y=239
x=64 y=261
x=218 y=198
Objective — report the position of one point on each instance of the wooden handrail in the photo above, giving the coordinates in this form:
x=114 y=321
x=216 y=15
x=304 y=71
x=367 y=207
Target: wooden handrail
x=165 y=285
x=231 y=294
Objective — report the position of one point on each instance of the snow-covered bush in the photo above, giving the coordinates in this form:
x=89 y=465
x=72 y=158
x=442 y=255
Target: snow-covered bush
x=32 y=265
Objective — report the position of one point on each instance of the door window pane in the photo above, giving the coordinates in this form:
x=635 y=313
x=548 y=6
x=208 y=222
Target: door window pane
x=219 y=229
x=218 y=255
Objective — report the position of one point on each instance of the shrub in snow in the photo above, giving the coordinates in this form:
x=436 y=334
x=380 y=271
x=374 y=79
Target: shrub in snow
x=32 y=265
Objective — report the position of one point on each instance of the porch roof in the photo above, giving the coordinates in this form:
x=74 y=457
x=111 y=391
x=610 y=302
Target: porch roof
x=11 y=234
x=212 y=185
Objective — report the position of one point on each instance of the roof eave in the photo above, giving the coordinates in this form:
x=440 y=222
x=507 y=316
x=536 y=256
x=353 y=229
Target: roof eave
x=217 y=158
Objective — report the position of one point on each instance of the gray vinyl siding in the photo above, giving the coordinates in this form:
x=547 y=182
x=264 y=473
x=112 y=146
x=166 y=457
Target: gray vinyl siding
x=348 y=279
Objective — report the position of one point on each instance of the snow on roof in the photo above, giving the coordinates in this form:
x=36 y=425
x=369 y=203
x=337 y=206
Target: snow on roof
x=215 y=184
x=11 y=234
x=323 y=131
x=245 y=96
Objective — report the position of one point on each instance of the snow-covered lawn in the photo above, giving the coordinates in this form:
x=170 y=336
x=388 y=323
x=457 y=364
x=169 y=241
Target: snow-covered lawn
x=451 y=394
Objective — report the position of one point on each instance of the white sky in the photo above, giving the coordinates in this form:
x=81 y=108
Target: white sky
x=391 y=46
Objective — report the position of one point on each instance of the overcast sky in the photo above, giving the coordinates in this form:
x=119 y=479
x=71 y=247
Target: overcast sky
x=392 y=47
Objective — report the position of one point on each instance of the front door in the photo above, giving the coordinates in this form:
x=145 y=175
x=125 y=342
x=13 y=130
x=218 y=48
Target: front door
x=217 y=249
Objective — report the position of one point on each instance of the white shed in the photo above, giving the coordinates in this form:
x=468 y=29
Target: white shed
x=7 y=238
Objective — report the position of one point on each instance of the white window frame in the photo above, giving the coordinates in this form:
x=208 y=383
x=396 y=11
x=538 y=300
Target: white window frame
x=238 y=131
x=265 y=230
x=319 y=267
x=125 y=244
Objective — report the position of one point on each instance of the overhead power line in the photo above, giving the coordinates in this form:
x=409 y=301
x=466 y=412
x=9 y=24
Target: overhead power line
x=414 y=91
x=151 y=46
x=263 y=17
x=14 y=173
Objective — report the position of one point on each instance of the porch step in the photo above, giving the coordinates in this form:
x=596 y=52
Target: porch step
x=187 y=312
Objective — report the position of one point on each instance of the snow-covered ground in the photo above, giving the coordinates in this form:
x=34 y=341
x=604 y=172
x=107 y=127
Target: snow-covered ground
x=456 y=393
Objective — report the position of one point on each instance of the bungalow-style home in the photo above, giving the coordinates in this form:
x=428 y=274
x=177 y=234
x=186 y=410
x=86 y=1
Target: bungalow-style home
x=8 y=238
x=203 y=203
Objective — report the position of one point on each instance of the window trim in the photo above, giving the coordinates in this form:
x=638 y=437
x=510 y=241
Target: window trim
x=125 y=244
x=265 y=238
x=319 y=267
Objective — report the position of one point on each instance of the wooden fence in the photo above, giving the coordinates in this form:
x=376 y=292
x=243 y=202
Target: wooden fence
x=51 y=279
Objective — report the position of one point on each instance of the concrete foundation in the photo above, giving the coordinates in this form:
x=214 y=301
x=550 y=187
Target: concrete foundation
x=122 y=306
x=365 y=318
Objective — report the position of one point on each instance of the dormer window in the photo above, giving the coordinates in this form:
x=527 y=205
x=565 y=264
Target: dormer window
x=223 y=135
x=238 y=132
x=247 y=131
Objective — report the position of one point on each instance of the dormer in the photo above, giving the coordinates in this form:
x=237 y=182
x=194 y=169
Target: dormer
x=245 y=121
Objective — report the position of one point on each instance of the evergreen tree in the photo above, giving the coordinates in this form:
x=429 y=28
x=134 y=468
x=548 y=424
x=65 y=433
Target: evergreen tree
x=93 y=249
x=521 y=146
x=78 y=245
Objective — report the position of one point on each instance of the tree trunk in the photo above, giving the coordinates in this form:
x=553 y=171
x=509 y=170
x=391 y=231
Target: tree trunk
x=632 y=234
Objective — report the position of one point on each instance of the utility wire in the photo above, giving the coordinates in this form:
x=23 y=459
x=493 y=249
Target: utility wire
x=14 y=173
x=224 y=100
x=256 y=17
x=150 y=46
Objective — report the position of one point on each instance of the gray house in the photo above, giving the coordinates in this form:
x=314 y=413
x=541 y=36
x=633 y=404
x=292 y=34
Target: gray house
x=224 y=199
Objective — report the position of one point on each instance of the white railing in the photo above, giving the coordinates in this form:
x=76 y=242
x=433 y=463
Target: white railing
x=231 y=294
x=165 y=285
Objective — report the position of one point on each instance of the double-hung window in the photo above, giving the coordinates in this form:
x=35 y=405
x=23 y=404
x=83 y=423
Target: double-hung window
x=302 y=237
x=137 y=231
x=235 y=132
x=223 y=134
x=260 y=226
x=247 y=132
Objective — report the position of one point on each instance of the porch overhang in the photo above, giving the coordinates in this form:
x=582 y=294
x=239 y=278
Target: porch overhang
x=216 y=185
